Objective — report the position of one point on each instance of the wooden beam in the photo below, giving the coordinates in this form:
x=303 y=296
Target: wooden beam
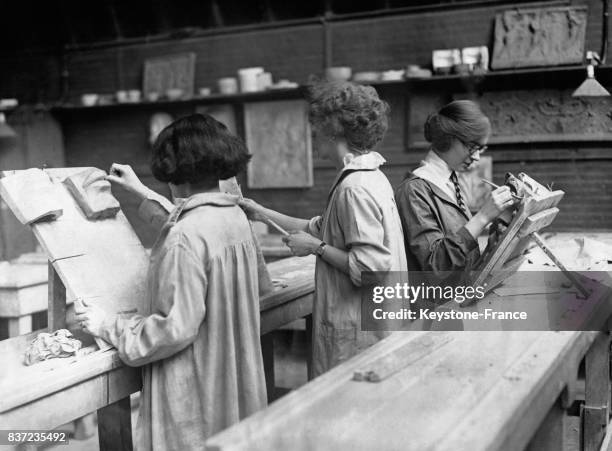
x=19 y=326
x=308 y=319
x=550 y=435
x=597 y=397
x=56 y=313
x=115 y=426
x=267 y=352
x=535 y=223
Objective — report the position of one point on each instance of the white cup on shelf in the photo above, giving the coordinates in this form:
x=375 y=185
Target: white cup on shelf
x=228 y=85
x=248 y=78
x=122 y=96
x=264 y=81
x=89 y=99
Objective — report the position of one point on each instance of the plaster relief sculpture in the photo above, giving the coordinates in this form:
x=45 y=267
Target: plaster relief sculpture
x=92 y=193
x=539 y=37
x=32 y=196
x=546 y=116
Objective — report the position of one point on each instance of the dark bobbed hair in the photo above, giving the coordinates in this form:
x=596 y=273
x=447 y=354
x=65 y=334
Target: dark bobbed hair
x=197 y=149
x=348 y=110
x=461 y=119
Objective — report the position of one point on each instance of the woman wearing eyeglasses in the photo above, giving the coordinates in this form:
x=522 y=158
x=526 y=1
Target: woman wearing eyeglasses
x=440 y=232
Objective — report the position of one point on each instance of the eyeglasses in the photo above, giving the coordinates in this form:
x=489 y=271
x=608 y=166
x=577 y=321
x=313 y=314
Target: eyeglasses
x=475 y=148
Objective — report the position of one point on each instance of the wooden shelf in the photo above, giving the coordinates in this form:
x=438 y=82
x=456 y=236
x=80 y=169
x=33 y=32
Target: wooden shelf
x=276 y=94
x=561 y=77
x=496 y=75
x=551 y=77
x=507 y=72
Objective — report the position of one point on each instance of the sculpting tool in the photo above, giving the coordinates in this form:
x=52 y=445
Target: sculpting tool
x=516 y=196
x=275 y=225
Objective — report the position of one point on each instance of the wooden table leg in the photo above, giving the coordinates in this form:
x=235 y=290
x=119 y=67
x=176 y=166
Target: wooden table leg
x=19 y=326
x=115 y=426
x=308 y=319
x=56 y=314
x=267 y=351
x=550 y=434
x=596 y=408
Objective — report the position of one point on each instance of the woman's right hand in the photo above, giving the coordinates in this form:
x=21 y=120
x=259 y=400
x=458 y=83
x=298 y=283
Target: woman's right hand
x=124 y=176
x=497 y=201
x=253 y=210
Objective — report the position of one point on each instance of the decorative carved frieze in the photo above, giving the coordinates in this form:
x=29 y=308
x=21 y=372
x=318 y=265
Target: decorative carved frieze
x=546 y=115
x=539 y=37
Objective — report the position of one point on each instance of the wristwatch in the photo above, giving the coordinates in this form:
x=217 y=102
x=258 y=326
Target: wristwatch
x=321 y=249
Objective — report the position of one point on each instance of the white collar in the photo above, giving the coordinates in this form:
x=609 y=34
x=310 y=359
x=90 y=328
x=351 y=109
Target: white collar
x=369 y=160
x=435 y=170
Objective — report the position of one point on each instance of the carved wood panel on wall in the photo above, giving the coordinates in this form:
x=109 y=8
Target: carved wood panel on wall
x=539 y=37
x=546 y=116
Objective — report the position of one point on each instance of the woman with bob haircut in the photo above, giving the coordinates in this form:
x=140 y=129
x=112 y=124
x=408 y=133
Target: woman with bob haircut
x=439 y=230
x=359 y=230
x=198 y=339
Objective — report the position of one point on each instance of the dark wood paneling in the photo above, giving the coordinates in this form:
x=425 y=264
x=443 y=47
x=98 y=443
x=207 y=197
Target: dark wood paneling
x=292 y=53
x=31 y=78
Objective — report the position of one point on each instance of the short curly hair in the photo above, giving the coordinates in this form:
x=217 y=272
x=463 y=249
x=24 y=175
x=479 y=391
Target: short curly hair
x=348 y=110
x=197 y=149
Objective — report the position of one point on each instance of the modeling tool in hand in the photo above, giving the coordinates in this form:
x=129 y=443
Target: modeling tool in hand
x=275 y=225
x=497 y=186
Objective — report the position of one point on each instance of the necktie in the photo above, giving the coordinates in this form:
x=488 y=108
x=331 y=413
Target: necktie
x=455 y=181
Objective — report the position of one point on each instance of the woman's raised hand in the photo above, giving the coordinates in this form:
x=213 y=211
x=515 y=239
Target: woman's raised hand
x=497 y=201
x=124 y=176
x=253 y=210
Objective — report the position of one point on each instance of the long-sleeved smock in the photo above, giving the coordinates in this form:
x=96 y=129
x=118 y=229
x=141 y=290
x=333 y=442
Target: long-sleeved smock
x=198 y=340
x=360 y=218
x=434 y=224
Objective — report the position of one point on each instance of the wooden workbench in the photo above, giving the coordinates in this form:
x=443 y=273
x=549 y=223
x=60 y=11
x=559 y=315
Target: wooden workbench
x=52 y=393
x=461 y=391
x=470 y=390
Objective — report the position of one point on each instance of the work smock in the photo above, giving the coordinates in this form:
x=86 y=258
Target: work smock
x=360 y=218
x=434 y=223
x=198 y=340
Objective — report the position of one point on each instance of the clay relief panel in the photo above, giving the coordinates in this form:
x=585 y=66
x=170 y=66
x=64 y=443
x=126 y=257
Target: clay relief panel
x=539 y=37
x=92 y=193
x=546 y=116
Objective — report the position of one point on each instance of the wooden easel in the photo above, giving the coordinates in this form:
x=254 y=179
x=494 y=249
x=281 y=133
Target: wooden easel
x=536 y=210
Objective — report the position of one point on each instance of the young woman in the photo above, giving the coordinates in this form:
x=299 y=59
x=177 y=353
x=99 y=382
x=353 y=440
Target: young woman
x=439 y=231
x=360 y=229
x=198 y=338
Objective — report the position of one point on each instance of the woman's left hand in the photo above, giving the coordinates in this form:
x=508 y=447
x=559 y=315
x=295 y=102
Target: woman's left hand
x=301 y=243
x=90 y=317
